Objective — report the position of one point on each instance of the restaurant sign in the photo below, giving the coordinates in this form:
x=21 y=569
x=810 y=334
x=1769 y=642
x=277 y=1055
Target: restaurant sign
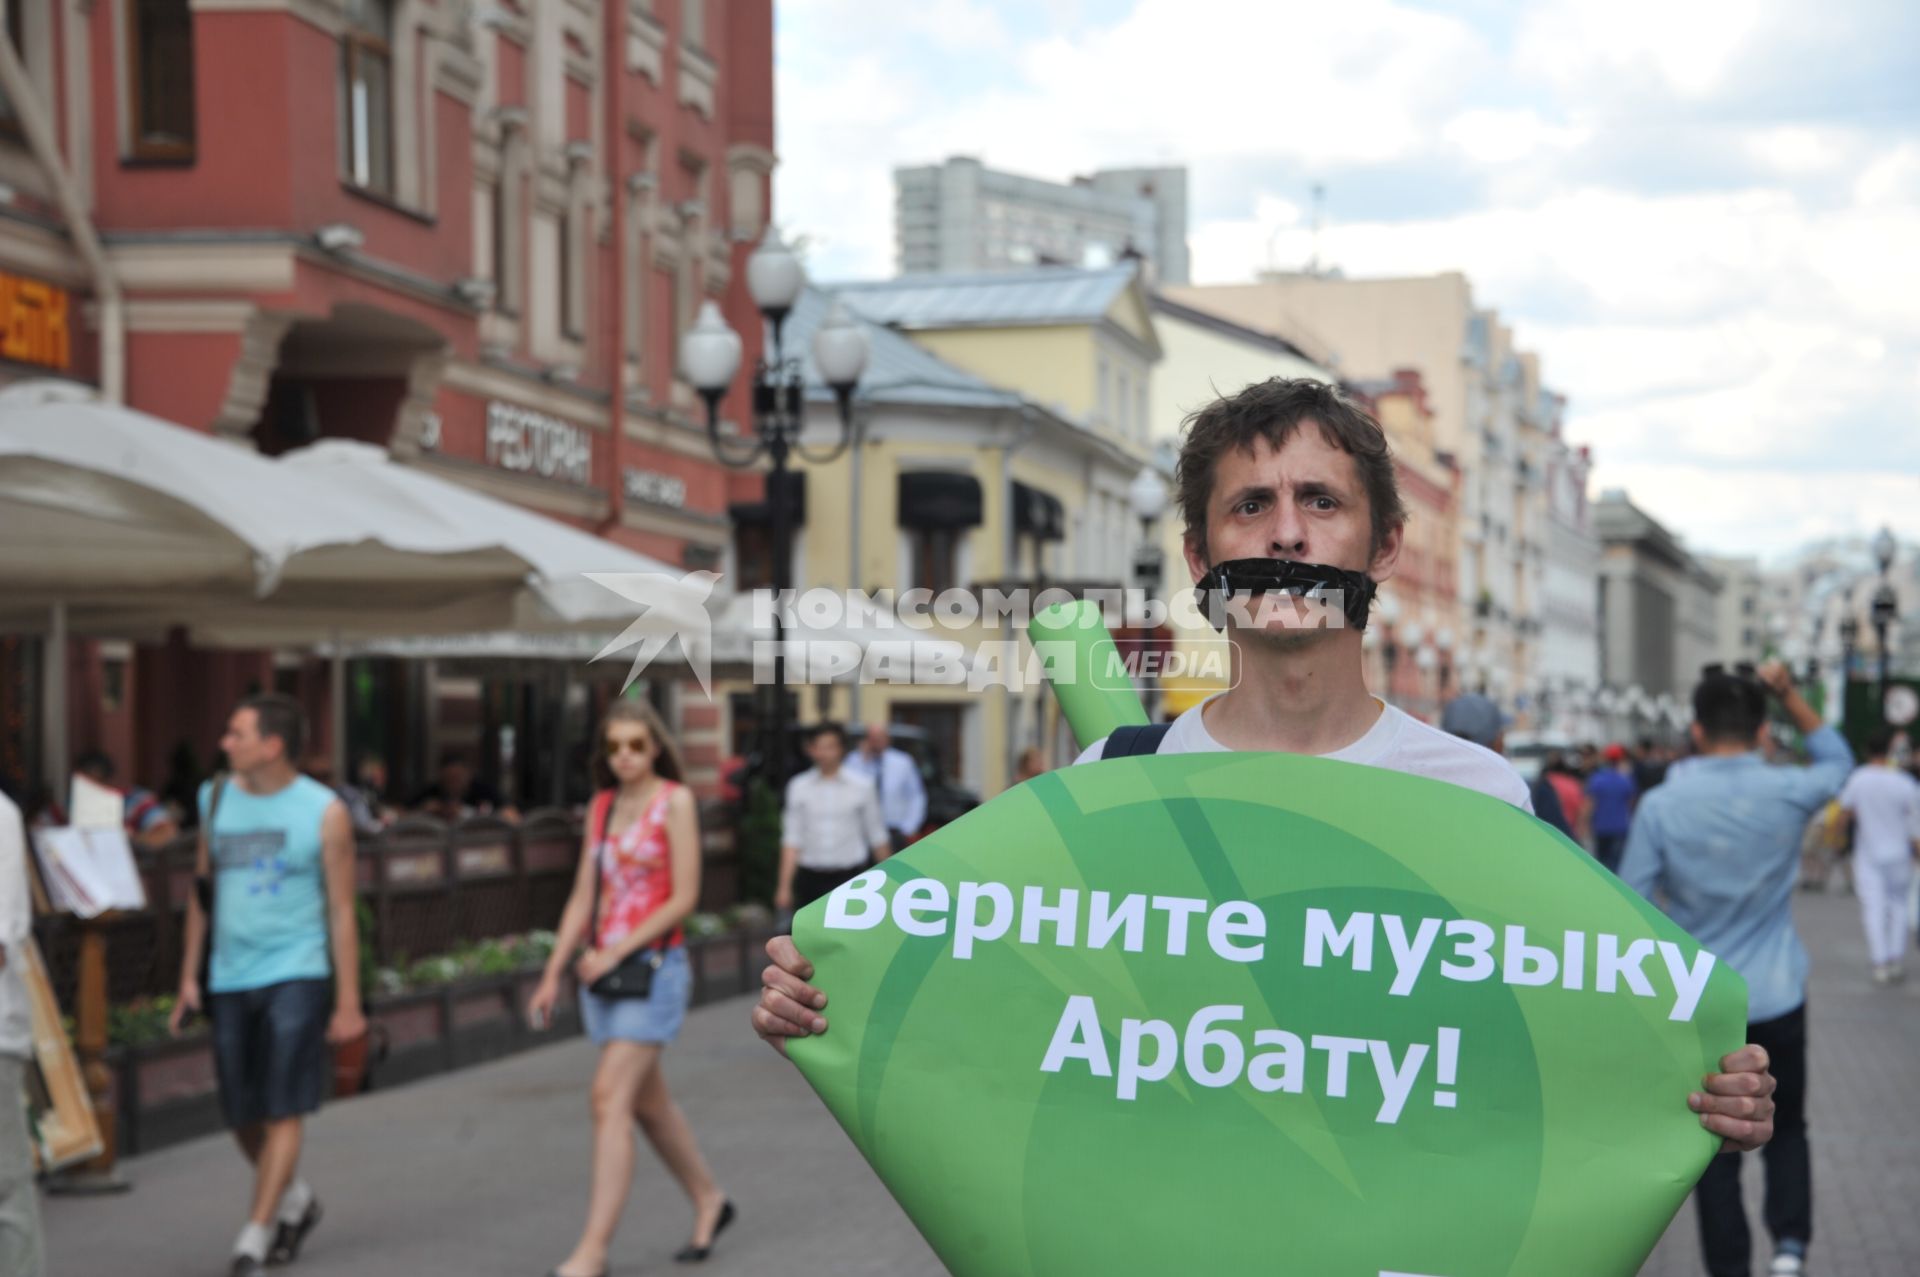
x=33 y=322
x=529 y=442
x=655 y=488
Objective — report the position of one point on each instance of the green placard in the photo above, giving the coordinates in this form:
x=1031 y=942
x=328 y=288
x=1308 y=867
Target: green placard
x=1258 y=1013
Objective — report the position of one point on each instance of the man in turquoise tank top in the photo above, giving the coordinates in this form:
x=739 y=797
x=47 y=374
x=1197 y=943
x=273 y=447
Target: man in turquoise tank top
x=282 y=978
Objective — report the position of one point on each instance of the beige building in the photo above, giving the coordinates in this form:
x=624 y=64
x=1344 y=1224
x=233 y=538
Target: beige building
x=1490 y=413
x=959 y=483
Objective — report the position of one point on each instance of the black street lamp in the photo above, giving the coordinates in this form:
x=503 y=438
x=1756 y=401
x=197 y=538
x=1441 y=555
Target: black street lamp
x=710 y=355
x=1147 y=495
x=1885 y=606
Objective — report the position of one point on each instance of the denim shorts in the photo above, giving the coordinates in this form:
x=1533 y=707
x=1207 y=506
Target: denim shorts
x=655 y=1018
x=270 y=1050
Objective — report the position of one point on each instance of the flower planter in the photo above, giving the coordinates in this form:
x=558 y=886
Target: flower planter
x=168 y=1090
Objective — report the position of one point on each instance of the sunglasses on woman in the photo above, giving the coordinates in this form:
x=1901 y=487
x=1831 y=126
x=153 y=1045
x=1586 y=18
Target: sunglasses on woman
x=628 y=744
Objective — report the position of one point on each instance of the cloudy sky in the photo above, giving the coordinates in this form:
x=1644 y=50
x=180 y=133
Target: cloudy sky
x=1704 y=214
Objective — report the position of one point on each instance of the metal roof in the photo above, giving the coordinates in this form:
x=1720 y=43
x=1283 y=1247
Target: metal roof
x=899 y=370
x=1042 y=295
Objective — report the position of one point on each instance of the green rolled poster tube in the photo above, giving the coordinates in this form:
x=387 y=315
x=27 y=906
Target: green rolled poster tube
x=1093 y=693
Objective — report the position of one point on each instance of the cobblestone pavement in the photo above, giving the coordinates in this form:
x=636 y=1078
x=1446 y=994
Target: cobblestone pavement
x=484 y=1171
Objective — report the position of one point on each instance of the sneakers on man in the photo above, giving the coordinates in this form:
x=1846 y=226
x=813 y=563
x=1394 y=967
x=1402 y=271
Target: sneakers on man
x=1883 y=974
x=1787 y=1264
x=289 y=1234
x=246 y=1266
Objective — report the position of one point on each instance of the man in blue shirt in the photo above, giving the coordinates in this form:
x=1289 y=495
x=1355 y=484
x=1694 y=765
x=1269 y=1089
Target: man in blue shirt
x=283 y=976
x=903 y=795
x=1721 y=841
x=1613 y=793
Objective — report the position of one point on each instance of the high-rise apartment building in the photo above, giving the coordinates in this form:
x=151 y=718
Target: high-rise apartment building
x=961 y=216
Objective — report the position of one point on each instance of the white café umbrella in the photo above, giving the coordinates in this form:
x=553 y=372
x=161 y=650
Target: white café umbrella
x=116 y=514
x=578 y=582
x=116 y=522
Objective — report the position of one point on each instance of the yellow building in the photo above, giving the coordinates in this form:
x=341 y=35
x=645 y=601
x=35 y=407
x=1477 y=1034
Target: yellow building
x=961 y=482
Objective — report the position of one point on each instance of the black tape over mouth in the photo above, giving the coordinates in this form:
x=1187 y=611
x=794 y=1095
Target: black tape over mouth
x=1236 y=577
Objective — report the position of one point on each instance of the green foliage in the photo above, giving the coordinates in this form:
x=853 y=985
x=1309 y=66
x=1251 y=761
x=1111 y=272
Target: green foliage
x=139 y=1021
x=702 y=925
x=758 y=845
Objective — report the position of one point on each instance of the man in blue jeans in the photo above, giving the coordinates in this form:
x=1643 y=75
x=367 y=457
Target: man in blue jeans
x=1613 y=793
x=283 y=980
x=1721 y=841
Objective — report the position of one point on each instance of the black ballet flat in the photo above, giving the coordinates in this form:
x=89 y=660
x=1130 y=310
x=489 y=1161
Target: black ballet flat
x=691 y=1254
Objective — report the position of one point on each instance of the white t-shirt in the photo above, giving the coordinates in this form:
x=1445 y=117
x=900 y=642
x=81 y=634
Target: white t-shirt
x=1885 y=802
x=1397 y=741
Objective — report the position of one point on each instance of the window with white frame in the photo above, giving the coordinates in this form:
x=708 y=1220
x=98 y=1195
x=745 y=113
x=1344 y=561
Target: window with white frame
x=366 y=95
x=693 y=23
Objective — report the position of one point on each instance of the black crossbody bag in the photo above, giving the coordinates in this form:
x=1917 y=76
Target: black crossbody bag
x=633 y=978
x=203 y=884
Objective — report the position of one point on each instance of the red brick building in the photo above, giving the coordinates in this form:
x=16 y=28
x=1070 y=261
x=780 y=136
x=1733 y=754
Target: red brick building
x=468 y=232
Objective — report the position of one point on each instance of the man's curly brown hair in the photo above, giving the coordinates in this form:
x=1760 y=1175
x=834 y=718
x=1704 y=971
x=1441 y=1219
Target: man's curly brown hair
x=1273 y=410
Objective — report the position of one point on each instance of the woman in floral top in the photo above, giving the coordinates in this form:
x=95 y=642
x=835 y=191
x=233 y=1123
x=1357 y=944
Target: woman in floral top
x=640 y=859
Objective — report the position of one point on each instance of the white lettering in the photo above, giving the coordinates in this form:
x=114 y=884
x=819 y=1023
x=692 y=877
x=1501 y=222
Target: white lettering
x=1479 y=943
x=1201 y=1034
x=1339 y=1051
x=1101 y=924
x=1178 y=910
x=863 y=891
x=966 y=925
x=1034 y=912
x=1356 y=936
x=1396 y=1083
x=1078 y=1037
x=1688 y=982
x=1133 y=1069
x=1237 y=918
x=1408 y=957
x=1281 y=1070
x=1612 y=965
x=921 y=893
x=1523 y=963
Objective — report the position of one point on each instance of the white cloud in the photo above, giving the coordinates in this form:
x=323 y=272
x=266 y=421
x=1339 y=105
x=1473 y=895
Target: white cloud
x=1502 y=137
x=1720 y=287
x=1606 y=45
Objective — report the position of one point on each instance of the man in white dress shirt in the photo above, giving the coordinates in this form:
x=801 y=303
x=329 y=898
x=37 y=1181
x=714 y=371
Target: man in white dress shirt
x=903 y=795
x=832 y=821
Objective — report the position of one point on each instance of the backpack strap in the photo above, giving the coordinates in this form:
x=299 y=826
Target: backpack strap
x=1135 y=738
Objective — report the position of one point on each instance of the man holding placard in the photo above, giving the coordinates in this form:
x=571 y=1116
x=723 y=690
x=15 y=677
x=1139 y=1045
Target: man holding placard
x=1289 y=499
x=283 y=980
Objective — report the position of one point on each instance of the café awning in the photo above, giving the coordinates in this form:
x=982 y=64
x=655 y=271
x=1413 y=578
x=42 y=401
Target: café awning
x=122 y=518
